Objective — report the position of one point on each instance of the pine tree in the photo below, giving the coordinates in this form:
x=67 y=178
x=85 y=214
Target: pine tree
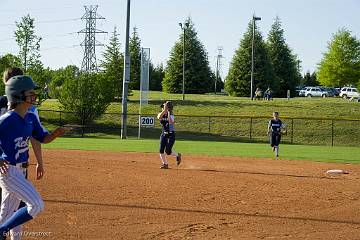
x=283 y=61
x=135 y=60
x=340 y=65
x=113 y=63
x=157 y=75
x=238 y=80
x=310 y=79
x=198 y=77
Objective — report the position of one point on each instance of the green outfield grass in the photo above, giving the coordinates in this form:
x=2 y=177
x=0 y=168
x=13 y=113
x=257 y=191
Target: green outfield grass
x=290 y=152
x=221 y=105
x=210 y=117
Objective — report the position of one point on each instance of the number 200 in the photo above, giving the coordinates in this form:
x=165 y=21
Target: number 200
x=147 y=121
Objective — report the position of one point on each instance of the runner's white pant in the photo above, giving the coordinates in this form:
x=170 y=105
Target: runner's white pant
x=15 y=187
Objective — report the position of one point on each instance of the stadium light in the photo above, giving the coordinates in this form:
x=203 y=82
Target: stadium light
x=252 y=57
x=183 y=27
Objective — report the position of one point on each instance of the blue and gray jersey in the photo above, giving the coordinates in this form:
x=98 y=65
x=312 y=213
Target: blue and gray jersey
x=275 y=126
x=166 y=126
x=15 y=135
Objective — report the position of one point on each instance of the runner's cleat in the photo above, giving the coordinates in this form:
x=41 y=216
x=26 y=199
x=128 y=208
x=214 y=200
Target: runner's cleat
x=178 y=159
x=164 y=166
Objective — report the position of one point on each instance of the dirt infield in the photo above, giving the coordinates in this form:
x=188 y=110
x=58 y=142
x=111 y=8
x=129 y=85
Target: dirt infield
x=94 y=195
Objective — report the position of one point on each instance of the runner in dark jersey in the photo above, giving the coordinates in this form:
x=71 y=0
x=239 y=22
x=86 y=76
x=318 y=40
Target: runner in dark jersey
x=275 y=129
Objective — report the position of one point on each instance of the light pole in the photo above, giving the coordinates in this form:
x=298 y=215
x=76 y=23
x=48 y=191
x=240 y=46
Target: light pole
x=126 y=76
x=252 y=57
x=183 y=27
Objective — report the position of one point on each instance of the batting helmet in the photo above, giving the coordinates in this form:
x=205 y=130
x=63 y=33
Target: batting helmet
x=16 y=86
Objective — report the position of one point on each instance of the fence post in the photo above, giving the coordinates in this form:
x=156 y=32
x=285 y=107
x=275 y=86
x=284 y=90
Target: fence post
x=209 y=124
x=292 y=130
x=139 y=129
x=251 y=127
x=60 y=119
x=332 y=132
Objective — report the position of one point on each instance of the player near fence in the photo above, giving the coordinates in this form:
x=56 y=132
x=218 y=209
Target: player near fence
x=276 y=128
x=167 y=137
x=17 y=126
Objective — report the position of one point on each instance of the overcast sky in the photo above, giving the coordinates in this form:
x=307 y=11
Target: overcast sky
x=308 y=25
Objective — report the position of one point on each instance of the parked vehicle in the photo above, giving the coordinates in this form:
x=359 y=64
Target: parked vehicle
x=331 y=91
x=349 y=92
x=302 y=91
x=298 y=89
x=316 y=92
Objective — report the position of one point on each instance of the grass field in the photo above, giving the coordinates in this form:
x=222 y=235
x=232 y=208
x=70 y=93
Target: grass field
x=290 y=152
x=224 y=118
x=215 y=105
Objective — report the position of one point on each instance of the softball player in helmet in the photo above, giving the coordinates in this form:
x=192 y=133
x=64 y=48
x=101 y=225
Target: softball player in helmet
x=167 y=137
x=17 y=126
x=275 y=129
x=36 y=145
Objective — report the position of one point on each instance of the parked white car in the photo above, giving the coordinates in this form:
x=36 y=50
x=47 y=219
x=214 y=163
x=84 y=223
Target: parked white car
x=349 y=92
x=302 y=91
x=315 y=92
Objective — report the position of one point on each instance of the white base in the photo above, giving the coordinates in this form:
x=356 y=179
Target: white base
x=337 y=171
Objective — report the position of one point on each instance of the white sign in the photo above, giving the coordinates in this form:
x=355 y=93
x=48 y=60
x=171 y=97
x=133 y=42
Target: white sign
x=147 y=121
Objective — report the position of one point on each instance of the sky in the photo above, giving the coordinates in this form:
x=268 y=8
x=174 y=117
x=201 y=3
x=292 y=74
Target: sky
x=308 y=25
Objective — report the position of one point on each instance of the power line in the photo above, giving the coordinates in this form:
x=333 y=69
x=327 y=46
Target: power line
x=59 y=47
x=45 y=21
x=45 y=36
x=60 y=20
x=36 y=9
x=59 y=35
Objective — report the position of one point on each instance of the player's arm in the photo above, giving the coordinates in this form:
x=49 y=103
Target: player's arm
x=42 y=135
x=162 y=113
x=55 y=134
x=46 y=137
x=3 y=163
x=36 y=145
x=269 y=128
x=283 y=129
x=171 y=119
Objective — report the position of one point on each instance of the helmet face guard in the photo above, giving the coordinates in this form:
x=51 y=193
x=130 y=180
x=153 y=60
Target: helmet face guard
x=16 y=86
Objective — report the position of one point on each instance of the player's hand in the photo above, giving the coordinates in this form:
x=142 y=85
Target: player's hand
x=165 y=107
x=4 y=166
x=58 y=132
x=39 y=171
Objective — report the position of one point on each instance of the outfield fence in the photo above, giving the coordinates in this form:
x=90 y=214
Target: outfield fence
x=309 y=131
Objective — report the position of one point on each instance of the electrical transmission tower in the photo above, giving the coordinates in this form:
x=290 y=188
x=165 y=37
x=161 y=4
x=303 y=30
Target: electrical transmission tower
x=89 y=61
x=218 y=65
